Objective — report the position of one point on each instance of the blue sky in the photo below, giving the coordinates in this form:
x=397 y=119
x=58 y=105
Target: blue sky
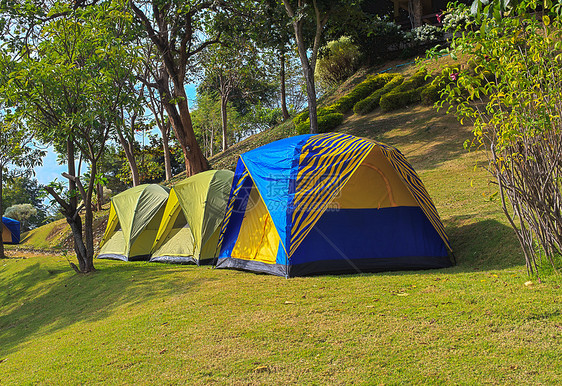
x=51 y=169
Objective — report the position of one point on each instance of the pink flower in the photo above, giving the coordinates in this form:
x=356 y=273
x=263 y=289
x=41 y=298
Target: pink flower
x=454 y=76
x=439 y=17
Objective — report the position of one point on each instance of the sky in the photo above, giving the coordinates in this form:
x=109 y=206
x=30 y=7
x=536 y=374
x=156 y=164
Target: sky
x=51 y=169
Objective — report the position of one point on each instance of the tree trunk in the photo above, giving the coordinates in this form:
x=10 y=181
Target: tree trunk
x=89 y=223
x=128 y=148
x=180 y=120
x=308 y=72
x=212 y=141
x=224 y=104
x=311 y=97
x=2 y=255
x=73 y=202
x=418 y=13
x=70 y=150
x=166 y=149
x=71 y=212
x=283 y=91
x=99 y=190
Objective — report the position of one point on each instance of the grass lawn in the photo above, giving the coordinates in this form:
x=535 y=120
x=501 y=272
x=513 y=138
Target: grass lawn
x=482 y=321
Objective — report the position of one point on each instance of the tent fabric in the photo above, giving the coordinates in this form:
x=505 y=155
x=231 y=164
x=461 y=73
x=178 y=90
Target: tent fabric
x=134 y=217
x=190 y=227
x=10 y=231
x=329 y=203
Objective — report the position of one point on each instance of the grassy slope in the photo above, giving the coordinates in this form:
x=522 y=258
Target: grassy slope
x=148 y=323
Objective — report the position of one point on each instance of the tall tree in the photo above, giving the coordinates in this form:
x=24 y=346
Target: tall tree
x=305 y=14
x=278 y=40
x=179 y=30
x=68 y=86
x=16 y=149
x=231 y=67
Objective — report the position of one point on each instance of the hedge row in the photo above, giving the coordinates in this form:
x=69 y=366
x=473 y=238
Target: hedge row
x=346 y=102
x=303 y=117
x=361 y=91
x=406 y=93
x=370 y=103
x=326 y=123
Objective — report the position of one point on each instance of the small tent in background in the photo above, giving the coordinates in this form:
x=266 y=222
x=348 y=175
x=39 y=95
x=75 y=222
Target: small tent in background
x=134 y=217
x=190 y=227
x=329 y=203
x=10 y=231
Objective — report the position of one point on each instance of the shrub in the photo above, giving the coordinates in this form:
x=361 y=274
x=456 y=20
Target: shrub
x=376 y=35
x=300 y=118
x=22 y=213
x=457 y=18
x=395 y=100
x=413 y=82
x=329 y=122
x=425 y=34
x=337 y=61
x=361 y=91
x=430 y=94
x=303 y=117
x=345 y=103
x=326 y=122
x=303 y=127
x=516 y=117
x=370 y=103
x=406 y=93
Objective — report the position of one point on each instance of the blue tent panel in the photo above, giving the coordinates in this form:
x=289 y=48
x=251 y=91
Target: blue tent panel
x=360 y=240
x=272 y=167
x=13 y=227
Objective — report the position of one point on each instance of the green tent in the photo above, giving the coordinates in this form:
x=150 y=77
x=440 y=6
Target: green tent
x=191 y=222
x=134 y=217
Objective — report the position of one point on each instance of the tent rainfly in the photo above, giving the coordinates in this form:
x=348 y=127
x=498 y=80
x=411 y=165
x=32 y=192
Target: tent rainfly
x=134 y=217
x=329 y=203
x=10 y=231
x=190 y=227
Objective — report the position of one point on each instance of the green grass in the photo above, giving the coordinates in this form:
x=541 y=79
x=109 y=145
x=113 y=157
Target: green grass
x=140 y=323
x=154 y=324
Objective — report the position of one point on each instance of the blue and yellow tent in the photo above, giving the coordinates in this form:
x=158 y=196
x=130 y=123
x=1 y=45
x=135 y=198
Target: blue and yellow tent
x=329 y=203
x=10 y=230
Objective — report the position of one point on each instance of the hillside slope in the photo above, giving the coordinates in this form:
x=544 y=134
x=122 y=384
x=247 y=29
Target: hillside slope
x=483 y=321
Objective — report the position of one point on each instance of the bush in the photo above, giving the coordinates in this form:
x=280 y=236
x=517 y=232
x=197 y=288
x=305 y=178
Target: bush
x=457 y=18
x=345 y=103
x=326 y=122
x=303 y=127
x=303 y=117
x=337 y=61
x=425 y=34
x=413 y=82
x=22 y=213
x=370 y=103
x=361 y=91
x=329 y=122
x=395 y=100
x=375 y=36
x=406 y=93
x=430 y=94
x=300 y=118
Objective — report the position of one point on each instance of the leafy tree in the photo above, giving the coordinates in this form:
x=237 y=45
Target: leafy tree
x=20 y=188
x=232 y=67
x=276 y=40
x=207 y=121
x=305 y=14
x=22 y=213
x=180 y=30
x=512 y=91
x=16 y=149
x=68 y=86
